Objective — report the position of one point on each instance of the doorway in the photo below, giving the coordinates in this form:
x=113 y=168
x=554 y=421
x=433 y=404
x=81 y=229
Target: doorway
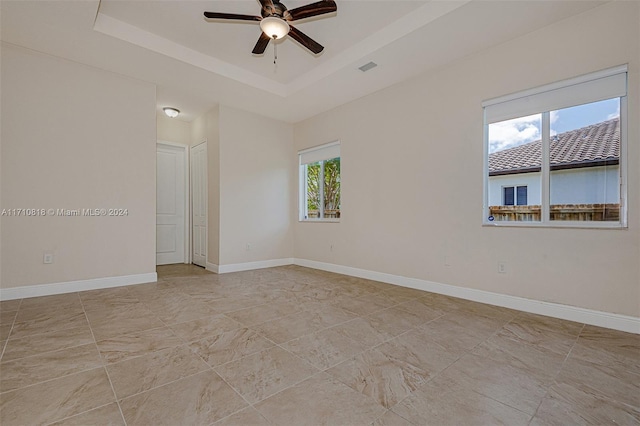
x=172 y=189
x=199 y=203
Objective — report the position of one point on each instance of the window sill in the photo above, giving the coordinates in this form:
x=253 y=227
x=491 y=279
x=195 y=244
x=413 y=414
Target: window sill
x=319 y=220
x=548 y=225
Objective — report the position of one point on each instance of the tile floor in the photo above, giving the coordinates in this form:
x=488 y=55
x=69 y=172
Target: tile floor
x=296 y=346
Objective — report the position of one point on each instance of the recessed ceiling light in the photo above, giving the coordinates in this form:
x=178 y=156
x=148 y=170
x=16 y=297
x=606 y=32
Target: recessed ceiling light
x=171 y=112
x=368 y=66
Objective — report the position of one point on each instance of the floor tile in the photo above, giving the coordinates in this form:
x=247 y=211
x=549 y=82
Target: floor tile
x=204 y=327
x=124 y=325
x=421 y=309
x=179 y=308
x=108 y=415
x=364 y=331
x=47 y=342
x=298 y=325
x=394 y=321
x=195 y=400
x=385 y=378
x=391 y=419
x=7 y=317
x=540 y=323
x=494 y=379
x=432 y=359
x=50 y=365
x=260 y=375
x=536 y=360
x=364 y=305
x=56 y=399
x=247 y=417
x=5 y=330
x=320 y=400
x=229 y=346
x=135 y=344
x=608 y=347
x=549 y=339
x=566 y=404
x=47 y=324
x=155 y=369
x=443 y=402
x=611 y=382
x=325 y=348
x=69 y=300
x=264 y=313
x=451 y=335
x=10 y=305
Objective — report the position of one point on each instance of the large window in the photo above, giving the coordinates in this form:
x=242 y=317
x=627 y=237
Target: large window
x=320 y=183
x=555 y=155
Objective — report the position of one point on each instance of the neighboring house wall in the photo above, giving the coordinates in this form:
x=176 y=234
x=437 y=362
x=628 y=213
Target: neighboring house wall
x=530 y=180
x=589 y=185
x=75 y=137
x=412 y=175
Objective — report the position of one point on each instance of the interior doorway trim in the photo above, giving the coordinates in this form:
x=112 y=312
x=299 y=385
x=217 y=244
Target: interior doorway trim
x=187 y=203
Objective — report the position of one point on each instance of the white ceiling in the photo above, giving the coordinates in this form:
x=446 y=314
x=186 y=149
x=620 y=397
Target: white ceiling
x=198 y=64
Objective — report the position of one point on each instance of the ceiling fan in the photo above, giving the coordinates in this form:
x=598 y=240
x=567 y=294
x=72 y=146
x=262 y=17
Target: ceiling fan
x=275 y=19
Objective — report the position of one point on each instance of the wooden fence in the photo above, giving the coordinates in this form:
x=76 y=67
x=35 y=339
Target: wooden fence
x=561 y=212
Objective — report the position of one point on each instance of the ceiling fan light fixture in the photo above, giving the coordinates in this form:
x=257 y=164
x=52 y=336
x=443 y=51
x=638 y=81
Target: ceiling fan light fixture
x=274 y=27
x=171 y=112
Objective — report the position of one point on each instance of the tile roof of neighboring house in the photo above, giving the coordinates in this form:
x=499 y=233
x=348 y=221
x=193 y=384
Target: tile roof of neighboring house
x=588 y=146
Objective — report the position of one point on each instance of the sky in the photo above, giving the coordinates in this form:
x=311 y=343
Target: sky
x=510 y=133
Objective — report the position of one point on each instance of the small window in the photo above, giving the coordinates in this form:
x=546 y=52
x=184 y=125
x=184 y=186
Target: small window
x=514 y=195
x=555 y=154
x=320 y=183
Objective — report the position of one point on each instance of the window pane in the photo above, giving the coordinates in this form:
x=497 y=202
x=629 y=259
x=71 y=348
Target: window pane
x=332 y=188
x=522 y=195
x=313 y=191
x=584 y=161
x=508 y=196
x=515 y=158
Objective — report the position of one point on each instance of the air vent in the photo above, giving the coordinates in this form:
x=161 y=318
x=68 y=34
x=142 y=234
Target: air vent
x=367 y=67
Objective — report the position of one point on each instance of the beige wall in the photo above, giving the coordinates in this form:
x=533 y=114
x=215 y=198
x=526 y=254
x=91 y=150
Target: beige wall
x=173 y=130
x=412 y=175
x=206 y=128
x=75 y=137
x=256 y=181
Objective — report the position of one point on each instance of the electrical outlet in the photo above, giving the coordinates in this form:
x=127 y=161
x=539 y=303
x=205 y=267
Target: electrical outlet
x=47 y=258
x=331 y=247
x=447 y=261
x=502 y=267
x=248 y=248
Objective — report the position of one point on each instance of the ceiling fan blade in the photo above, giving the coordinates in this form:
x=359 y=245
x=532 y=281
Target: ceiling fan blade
x=233 y=16
x=305 y=40
x=313 y=9
x=267 y=6
x=261 y=45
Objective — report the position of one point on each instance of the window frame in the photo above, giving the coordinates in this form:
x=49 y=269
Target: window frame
x=515 y=195
x=302 y=184
x=545 y=221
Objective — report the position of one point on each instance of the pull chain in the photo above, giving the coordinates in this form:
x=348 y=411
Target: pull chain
x=275 y=51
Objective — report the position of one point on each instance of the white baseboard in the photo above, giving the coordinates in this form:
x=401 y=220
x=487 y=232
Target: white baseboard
x=572 y=313
x=12 y=293
x=212 y=267
x=236 y=267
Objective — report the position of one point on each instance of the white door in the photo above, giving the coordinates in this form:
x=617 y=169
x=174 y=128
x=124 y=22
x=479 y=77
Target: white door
x=199 y=203
x=171 y=203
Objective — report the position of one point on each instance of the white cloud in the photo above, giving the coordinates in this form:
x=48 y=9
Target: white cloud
x=510 y=133
x=614 y=114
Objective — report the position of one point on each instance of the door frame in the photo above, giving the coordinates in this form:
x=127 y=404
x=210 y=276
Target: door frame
x=206 y=204
x=187 y=195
